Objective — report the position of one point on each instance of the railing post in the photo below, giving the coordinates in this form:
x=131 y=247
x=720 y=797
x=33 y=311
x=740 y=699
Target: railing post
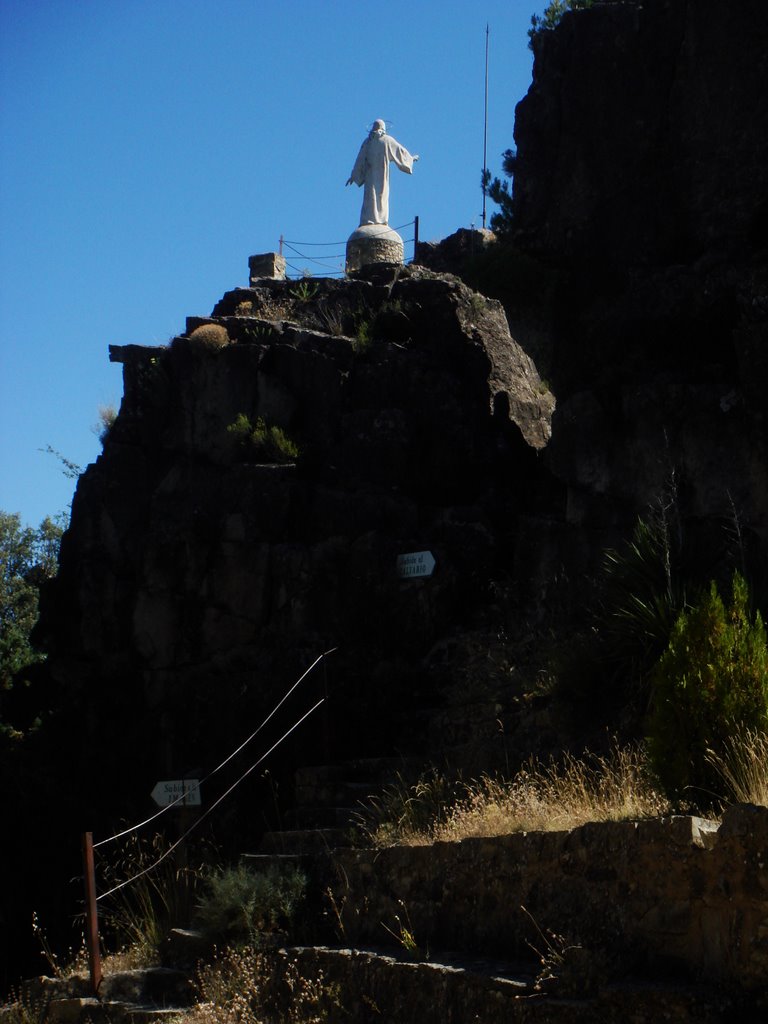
x=415 y=236
x=91 y=913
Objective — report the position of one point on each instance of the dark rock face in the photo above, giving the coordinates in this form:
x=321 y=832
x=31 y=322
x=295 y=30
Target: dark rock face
x=643 y=138
x=454 y=254
x=198 y=577
x=641 y=186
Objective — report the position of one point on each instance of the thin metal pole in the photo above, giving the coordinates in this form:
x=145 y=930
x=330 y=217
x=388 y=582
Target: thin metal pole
x=485 y=122
x=415 y=236
x=281 y=245
x=91 y=913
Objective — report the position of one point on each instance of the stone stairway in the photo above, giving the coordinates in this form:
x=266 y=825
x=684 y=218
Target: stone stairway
x=367 y=985
x=145 y=996
x=328 y=801
x=375 y=986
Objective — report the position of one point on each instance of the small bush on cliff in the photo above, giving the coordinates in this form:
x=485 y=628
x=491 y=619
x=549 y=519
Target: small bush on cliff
x=638 y=596
x=499 y=192
x=552 y=16
x=710 y=683
x=107 y=417
x=262 y=441
x=209 y=337
x=241 y=905
x=304 y=291
x=642 y=591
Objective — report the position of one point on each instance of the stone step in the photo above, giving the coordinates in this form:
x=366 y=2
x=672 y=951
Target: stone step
x=261 y=863
x=386 y=986
x=152 y=1014
x=320 y=817
x=89 y=1010
x=148 y=986
x=151 y=986
x=349 y=782
x=309 y=841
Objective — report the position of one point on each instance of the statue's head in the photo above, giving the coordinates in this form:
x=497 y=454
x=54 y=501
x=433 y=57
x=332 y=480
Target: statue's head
x=379 y=127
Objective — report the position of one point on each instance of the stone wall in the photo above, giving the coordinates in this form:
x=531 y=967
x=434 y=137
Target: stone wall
x=678 y=896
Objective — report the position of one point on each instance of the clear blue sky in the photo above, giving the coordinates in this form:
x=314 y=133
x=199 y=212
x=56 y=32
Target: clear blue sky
x=148 y=147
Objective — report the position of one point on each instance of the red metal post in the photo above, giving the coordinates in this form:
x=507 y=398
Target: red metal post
x=91 y=913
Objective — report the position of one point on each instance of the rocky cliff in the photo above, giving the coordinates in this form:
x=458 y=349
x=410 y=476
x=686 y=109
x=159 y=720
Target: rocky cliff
x=642 y=140
x=203 y=570
x=640 y=203
x=201 y=573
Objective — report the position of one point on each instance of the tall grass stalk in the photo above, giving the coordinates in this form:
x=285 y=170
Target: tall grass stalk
x=141 y=915
x=743 y=767
x=541 y=797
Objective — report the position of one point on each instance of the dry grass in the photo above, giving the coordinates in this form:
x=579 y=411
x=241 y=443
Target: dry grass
x=539 y=798
x=743 y=767
x=130 y=958
x=20 y=1008
x=244 y=986
x=138 y=918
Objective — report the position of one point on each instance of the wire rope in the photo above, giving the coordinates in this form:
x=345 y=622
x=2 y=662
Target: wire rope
x=384 y=227
x=193 y=789
x=201 y=819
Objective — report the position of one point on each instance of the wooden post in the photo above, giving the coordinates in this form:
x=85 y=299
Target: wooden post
x=415 y=236
x=91 y=913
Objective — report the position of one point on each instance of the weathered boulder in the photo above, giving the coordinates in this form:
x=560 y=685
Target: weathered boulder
x=206 y=563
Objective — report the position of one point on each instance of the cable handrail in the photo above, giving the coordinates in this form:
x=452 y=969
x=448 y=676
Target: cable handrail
x=300 y=272
x=201 y=819
x=384 y=227
x=193 y=789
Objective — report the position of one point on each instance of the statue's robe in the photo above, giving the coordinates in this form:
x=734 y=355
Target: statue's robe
x=372 y=171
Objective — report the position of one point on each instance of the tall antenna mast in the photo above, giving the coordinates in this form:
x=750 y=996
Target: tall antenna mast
x=485 y=124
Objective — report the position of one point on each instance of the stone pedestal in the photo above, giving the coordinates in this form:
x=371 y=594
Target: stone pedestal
x=266 y=264
x=373 y=243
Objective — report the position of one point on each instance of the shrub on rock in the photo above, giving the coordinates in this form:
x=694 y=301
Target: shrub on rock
x=209 y=336
x=710 y=683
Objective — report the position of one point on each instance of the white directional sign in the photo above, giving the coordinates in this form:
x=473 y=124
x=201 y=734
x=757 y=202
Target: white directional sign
x=415 y=563
x=166 y=793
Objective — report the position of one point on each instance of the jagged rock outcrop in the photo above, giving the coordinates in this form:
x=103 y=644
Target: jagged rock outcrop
x=642 y=140
x=196 y=570
x=200 y=574
x=640 y=189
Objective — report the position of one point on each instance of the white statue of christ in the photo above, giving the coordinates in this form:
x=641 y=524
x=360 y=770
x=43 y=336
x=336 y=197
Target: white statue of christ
x=372 y=170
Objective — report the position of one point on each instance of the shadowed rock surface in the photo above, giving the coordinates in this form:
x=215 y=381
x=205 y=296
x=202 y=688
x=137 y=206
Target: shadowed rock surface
x=200 y=575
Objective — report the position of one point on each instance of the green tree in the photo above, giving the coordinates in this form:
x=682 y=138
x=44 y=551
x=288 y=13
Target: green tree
x=552 y=16
x=28 y=557
x=710 y=683
x=500 y=193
